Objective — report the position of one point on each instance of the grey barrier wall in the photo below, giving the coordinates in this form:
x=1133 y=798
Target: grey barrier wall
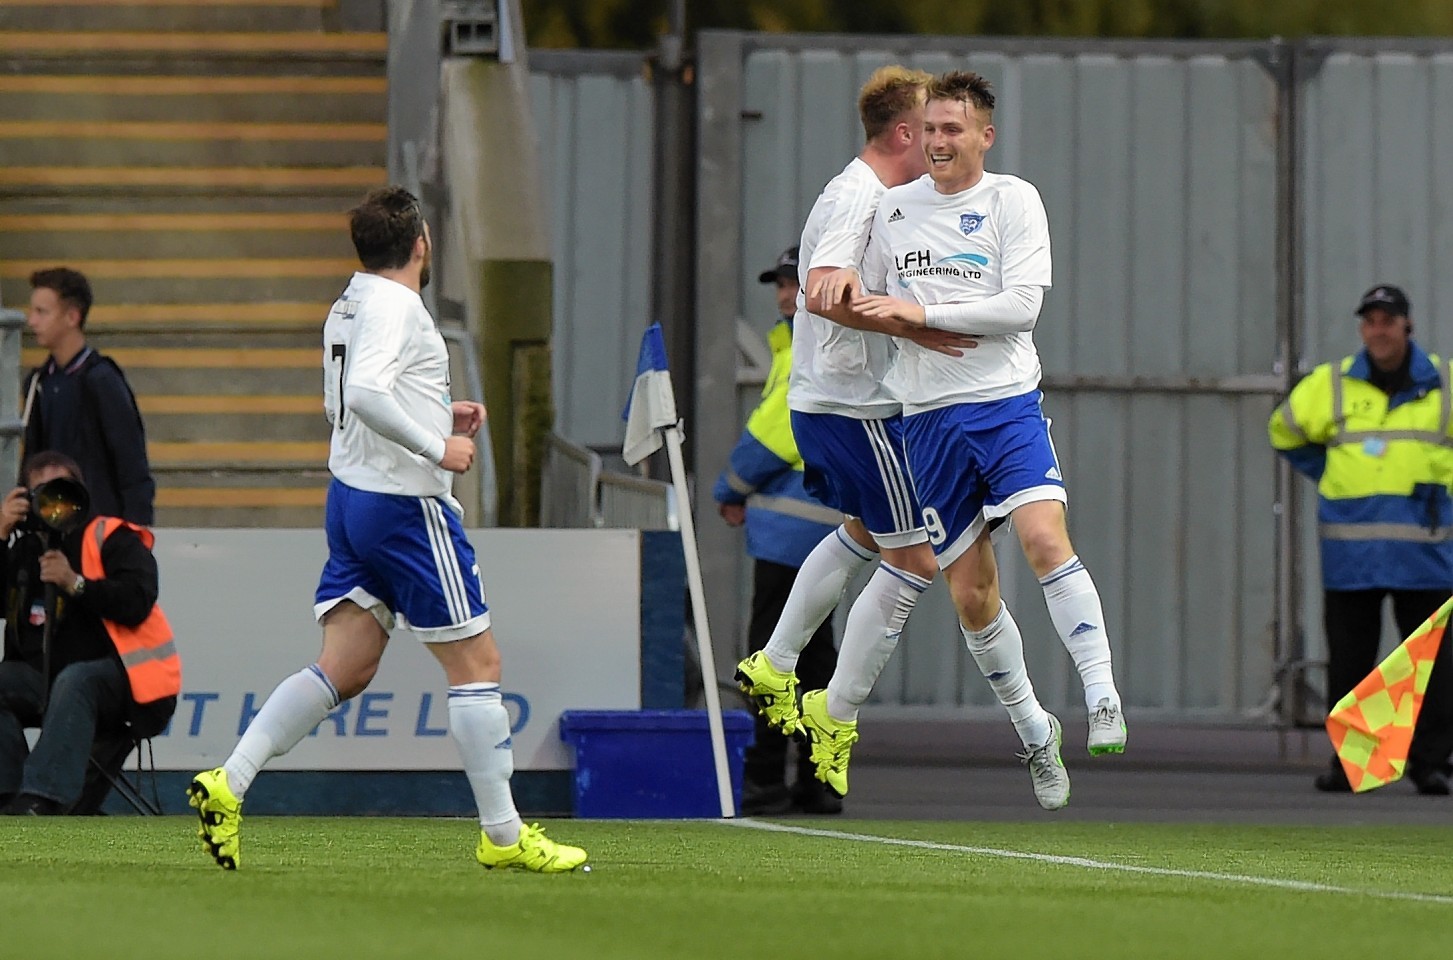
x=1216 y=208
x=594 y=117
x=1375 y=137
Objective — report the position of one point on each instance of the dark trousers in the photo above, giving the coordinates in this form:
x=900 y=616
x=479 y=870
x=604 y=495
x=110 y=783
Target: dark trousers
x=1353 y=620
x=766 y=760
x=85 y=698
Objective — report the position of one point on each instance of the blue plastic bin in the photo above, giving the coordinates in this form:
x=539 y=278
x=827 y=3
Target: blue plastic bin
x=654 y=764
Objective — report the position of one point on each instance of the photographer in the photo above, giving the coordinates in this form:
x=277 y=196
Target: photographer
x=113 y=670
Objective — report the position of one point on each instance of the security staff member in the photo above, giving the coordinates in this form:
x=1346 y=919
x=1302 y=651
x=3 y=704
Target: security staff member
x=1373 y=430
x=114 y=670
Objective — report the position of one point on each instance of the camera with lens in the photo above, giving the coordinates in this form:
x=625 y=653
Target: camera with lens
x=57 y=506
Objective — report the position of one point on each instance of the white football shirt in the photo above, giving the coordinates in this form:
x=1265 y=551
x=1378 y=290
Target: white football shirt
x=957 y=248
x=384 y=355
x=837 y=369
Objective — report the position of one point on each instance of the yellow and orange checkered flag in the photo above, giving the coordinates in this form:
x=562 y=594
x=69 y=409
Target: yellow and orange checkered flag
x=1372 y=727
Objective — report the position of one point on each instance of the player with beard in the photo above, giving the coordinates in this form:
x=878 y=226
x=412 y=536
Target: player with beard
x=397 y=553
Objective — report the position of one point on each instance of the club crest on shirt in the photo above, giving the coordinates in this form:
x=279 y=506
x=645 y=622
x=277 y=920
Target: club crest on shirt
x=970 y=223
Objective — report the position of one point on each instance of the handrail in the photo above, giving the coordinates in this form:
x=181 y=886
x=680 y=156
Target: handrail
x=577 y=491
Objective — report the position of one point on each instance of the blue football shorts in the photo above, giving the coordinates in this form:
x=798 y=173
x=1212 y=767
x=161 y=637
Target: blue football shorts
x=858 y=467
x=974 y=463
x=401 y=557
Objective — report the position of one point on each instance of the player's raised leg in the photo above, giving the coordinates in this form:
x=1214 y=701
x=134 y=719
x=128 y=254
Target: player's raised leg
x=866 y=467
x=1022 y=480
x=1075 y=609
x=769 y=676
x=945 y=453
x=995 y=643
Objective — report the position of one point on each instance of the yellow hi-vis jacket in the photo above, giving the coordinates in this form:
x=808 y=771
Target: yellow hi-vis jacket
x=1382 y=466
x=784 y=521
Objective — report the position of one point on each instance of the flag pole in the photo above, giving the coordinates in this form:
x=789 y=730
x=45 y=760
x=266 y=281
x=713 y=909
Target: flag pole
x=698 y=610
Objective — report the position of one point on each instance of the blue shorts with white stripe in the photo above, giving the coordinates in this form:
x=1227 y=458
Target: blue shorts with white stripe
x=859 y=467
x=404 y=557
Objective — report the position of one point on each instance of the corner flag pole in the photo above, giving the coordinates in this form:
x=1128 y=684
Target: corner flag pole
x=651 y=414
x=703 y=632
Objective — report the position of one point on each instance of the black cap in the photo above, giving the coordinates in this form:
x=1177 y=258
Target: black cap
x=1385 y=295
x=786 y=266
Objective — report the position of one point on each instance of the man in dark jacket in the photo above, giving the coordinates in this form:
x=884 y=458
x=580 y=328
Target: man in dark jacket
x=90 y=692
x=78 y=402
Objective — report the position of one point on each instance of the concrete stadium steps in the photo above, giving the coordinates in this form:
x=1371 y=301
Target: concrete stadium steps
x=241 y=506
x=345 y=182
x=233 y=235
x=189 y=46
x=196 y=159
x=191 y=15
x=251 y=318
x=31 y=143
x=223 y=418
x=218 y=280
x=160 y=98
x=235 y=318
x=213 y=370
x=240 y=497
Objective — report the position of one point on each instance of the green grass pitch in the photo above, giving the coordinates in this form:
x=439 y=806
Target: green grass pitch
x=125 y=887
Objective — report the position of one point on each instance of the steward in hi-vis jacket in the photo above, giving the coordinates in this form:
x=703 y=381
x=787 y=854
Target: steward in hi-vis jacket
x=1373 y=430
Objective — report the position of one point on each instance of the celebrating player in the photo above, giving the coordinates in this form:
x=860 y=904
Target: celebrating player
x=969 y=251
x=848 y=427
x=396 y=550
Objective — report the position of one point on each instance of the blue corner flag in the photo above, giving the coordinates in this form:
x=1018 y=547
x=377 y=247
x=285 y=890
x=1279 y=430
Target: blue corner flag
x=652 y=404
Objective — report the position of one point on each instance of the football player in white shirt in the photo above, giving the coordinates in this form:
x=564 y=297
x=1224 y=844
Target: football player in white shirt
x=848 y=429
x=397 y=553
x=968 y=250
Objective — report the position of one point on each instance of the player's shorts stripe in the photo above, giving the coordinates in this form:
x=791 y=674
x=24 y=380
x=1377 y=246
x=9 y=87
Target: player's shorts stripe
x=450 y=562
x=450 y=565
x=894 y=484
x=445 y=561
x=883 y=473
x=903 y=487
x=444 y=585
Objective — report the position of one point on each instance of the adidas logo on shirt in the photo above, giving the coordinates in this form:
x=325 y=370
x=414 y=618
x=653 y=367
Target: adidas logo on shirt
x=895 y=216
x=1053 y=474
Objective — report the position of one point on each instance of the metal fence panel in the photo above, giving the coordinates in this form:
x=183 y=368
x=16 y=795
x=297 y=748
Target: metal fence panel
x=593 y=113
x=1376 y=136
x=1157 y=164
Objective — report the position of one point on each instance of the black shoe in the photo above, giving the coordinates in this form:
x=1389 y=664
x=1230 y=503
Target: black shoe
x=765 y=800
x=813 y=796
x=1430 y=783
x=1333 y=780
x=30 y=805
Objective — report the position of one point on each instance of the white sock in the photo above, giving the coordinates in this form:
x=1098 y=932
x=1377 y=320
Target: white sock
x=1074 y=606
x=480 y=725
x=289 y=714
x=820 y=584
x=871 y=634
x=998 y=649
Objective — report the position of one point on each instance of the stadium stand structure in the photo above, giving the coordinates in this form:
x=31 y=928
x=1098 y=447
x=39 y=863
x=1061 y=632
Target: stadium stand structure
x=195 y=160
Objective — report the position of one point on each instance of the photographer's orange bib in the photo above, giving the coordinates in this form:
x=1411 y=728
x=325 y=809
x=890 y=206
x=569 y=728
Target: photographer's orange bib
x=147 y=651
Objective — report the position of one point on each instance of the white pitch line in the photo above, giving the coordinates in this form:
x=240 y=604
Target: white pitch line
x=1085 y=863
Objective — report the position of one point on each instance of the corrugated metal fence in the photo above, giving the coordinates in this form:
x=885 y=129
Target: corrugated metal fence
x=1216 y=208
